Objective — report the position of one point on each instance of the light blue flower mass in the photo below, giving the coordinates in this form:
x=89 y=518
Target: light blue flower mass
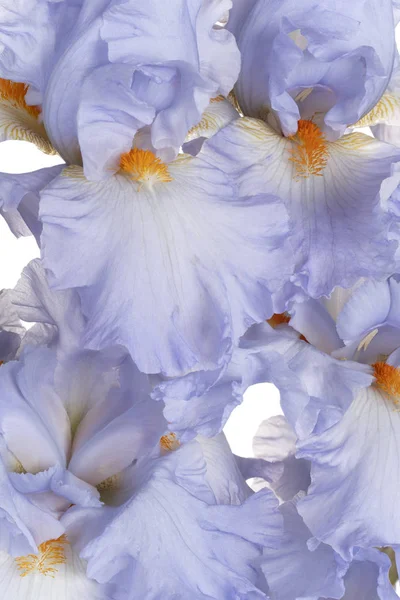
x=301 y=567
x=207 y=550
x=351 y=439
x=303 y=58
x=217 y=222
x=149 y=65
x=308 y=72
x=182 y=264
x=145 y=505
x=331 y=190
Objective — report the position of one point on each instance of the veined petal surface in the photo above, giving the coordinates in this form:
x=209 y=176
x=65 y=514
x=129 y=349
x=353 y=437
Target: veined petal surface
x=29 y=31
x=18 y=121
x=150 y=281
x=339 y=228
x=359 y=453
x=182 y=60
x=154 y=531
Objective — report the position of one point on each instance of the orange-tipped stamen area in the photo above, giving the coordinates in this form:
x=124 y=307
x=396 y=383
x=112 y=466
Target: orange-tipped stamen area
x=144 y=166
x=169 y=443
x=51 y=554
x=309 y=153
x=14 y=93
x=278 y=319
x=388 y=379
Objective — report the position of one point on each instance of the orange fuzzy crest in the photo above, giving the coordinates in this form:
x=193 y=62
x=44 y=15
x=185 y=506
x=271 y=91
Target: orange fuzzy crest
x=388 y=379
x=169 y=442
x=143 y=165
x=51 y=553
x=15 y=93
x=310 y=151
x=278 y=319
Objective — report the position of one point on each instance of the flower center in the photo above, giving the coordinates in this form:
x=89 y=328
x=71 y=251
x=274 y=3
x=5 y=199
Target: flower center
x=309 y=153
x=169 y=443
x=388 y=379
x=51 y=553
x=144 y=166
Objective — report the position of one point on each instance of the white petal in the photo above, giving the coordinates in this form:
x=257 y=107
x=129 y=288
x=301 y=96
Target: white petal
x=67 y=582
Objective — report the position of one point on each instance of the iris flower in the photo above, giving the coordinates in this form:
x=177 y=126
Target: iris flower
x=309 y=71
x=96 y=496
x=347 y=425
x=155 y=280
x=299 y=567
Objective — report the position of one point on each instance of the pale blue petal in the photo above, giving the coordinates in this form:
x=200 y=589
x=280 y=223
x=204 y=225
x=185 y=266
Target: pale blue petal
x=293 y=571
x=85 y=52
x=275 y=441
x=29 y=36
x=340 y=228
x=368 y=577
x=359 y=453
x=313 y=321
x=19 y=199
x=153 y=533
x=217 y=115
x=182 y=60
x=149 y=283
x=369 y=322
x=11 y=328
x=119 y=426
x=31 y=414
x=368 y=307
x=23 y=525
x=35 y=302
x=106 y=129
x=200 y=403
x=346 y=50
x=223 y=474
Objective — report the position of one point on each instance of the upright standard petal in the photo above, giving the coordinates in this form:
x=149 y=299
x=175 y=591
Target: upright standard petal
x=28 y=39
x=331 y=191
x=84 y=52
x=297 y=61
x=181 y=60
x=181 y=266
x=170 y=525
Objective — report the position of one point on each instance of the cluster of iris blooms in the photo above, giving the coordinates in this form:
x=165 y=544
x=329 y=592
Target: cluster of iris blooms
x=217 y=219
